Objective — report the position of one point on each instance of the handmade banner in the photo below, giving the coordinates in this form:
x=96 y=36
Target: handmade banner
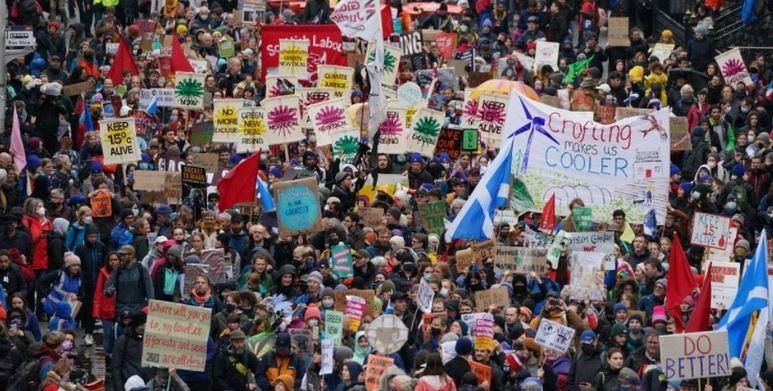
x=374 y=368
x=432 y=216
x=312 y=96
x=280 y=85
x=546 y=54
x=346 y=145
x=624 y=165
x=482 y=371
x=334 y=325
x=355 y=308
x=628 y=112
x=78 y=88
x=483 y=250
x=554 y=335
x=521 y=260
x=176 y=336
x=490 y=117
x=725 y=277
x=464 y=258
x=293 y=58
x=426 y=125
x=226 y=119
x=297 y=206
x=492 y=296
x=710 y=230
x=283 y=120
x=587 y=282
x=189 y=90
x=695 y=355
x=618 y=32
x=449 y=142
x=391 y=62
x=393 y=138
x=602 y=242
x=341 y=262
x=733 y=68
x=119 y=141
x=328 y=118
x=680 y=134
x=252 y=130
x=324 y=45
x=424 y=298
x=662 y=51
x=338 y=78
x=340 y=297
x=193 y=179
x=326 y=366
x=372 y=217
x=446 y=43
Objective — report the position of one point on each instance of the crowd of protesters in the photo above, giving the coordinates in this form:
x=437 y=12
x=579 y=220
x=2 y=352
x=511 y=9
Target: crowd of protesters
x=55 y=248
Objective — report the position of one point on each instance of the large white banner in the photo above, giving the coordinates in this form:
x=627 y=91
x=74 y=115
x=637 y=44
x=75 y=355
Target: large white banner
x=623 y=165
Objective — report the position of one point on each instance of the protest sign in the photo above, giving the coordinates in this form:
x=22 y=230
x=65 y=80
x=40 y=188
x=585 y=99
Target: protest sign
x=199 y=66
x=449 y=142
x=411 y=43
x=372 y=217
x=293 y=58
x=725 y=277
x=425 y=297
x=78 y=88
x=582 y=217
x=483 y=250
x=390 y=62
x=409 y=94
x=464 y=259
x=393 y=138
x=426 y=125
x=374 y=368
x=340 y=298
x=252 y=130
x=176 y=336
x=484 y=326
x=326 y=364
x=624 y=165
x=695 y=355
x=618 y=32
x=219 y=270
x=119 y=141
x=145 y=180
x=722 y=255
x=482 y=371
x=521 y=260
x=662 y=51
x=432 y=216
x=446 y=43
x=490 y=117
x=207 y=160
x=302 y=340
x=297 y=206
x=189 y=90
x=277 y=85
x=492 y=296
x=193 y=178
x=341 y=262
x=226 y=120
x=338 y=78
x=605 y=113
x=201 y=133
x=470 y=140
x=355 y=308
x=20 y=37
x=587 y=281
x=102 y=204
x=225 y=48
x=334 y=325
x=546 y=54
x=283 y=120
x=602 y=242
x=733 y=68
x=554 y=335
x=680 y=134
x=629 y=112
x=710 y=230
x=324 y=45
x=107 y=110
x=328 y=118
x=387 y=333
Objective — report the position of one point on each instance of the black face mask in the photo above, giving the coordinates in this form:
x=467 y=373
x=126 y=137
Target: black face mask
x=588 y=349
x=436 y=332
x=230 y=307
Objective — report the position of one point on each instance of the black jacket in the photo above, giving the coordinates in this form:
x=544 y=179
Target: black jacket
x=227 y=376
x=92 y=259
x=12 y=281
x=696 y=157
x=55 y=247
x=584 y=369
x=126 y=359
x=456 y=368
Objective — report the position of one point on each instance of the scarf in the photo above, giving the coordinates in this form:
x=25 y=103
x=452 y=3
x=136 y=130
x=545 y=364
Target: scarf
x=201 y=299
x=360 y=354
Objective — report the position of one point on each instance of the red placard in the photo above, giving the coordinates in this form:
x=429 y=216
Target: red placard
x=446 y=43
x=325 y=45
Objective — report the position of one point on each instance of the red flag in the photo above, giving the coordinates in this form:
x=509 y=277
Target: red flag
x=699 y=320
x=548 y=221
x=180 y=63
x=386 y=21
x=239 y=184
x=680 y=283
x=122 y=62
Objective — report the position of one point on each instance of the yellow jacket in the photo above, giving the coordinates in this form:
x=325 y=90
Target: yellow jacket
x=661 y=79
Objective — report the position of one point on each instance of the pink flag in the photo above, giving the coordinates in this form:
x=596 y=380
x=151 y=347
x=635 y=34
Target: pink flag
x=17 y=146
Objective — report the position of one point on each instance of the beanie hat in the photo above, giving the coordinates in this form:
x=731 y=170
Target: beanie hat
x=698 y=132
x=675 y=170
x=658 y=314
x=237 y=334
x=619 y=307
x=312 y=312
x=182 y=29
x=618 y=329
x=736 y=375
x=636 y=73
x=686 y=186
x=463 y=346
x=738 y=170
x=33 y=162
x=95 y=166
x=70 y=259
x=316 y=276
x=328 y=292
x=743 y=243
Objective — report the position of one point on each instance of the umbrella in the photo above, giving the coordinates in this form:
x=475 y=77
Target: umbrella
x=387 y=333
x=694 y=78
x=502 y=87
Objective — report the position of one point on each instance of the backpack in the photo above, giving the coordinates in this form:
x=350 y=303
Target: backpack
x=30 y=376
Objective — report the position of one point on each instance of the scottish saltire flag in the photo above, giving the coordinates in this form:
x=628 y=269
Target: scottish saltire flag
x=752 y=296
x=265 y=196
x=476 y=219
x=152 y=107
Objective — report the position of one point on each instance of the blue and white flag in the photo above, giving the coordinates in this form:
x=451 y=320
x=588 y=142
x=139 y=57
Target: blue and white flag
x=266 y=199
x=476 y=219
x=752 y=296
x=651 y=224
x=152 y=107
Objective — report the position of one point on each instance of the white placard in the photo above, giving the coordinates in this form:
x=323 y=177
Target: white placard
x=554 y=335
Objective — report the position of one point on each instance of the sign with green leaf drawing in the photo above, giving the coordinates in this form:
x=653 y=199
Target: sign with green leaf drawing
x=391 y=62
x=189 y=90
x=425 y=131
x=346 y=145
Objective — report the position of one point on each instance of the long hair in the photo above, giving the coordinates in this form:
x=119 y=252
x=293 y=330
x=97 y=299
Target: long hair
x=434 y=366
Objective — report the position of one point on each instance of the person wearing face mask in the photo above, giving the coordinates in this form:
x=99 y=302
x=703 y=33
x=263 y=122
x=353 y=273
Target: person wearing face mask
x=588 y=363
x=737 y=193
x=38 y=227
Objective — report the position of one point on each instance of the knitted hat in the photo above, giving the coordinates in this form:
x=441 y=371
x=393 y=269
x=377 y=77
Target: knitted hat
x=237 y=334
x=312 y=312
x=619 y=307
x=33 y=162
x=698 y=131
x=738 y=170
x=658 y=314
x=70 y=259
x=328 y=292
x=316 y=276
x=618 y=329
x=743 y=243
x=463 y=346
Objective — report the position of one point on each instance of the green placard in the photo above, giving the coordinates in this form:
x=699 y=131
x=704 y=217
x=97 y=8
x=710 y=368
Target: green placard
x=226 y=48
x=341 y=262
x=432 y=215
x=470 y=140
x=583 y=218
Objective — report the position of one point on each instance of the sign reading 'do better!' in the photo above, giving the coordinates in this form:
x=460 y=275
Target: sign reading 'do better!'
x=695 y=355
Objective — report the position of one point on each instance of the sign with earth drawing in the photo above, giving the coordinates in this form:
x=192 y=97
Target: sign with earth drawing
x=189 y=90
x=425 y=131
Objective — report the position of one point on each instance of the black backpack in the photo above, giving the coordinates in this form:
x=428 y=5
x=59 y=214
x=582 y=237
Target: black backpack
x=30 y=376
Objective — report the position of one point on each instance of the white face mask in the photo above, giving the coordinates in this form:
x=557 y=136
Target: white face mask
x=444 y=292
x=328 y=303
x=41 y=211
x=711 y=164
x=313 y=322
x=88 y=220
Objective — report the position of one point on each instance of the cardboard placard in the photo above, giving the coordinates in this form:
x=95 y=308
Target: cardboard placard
x=554 y=335
x=618 y=31
x=590 y=241
x=483 y=250
x=374 y=368
x=148 y=180
x=493 y=296
x=710 y=230
x=207 y=160
x=482 y=372
x=367 y=294
x=189 y=90
x=680 y=134
x=176 y=336
x=297 y=206
x=372 y=217
x=119 y=141
x=587 y=281
x=627 y=112
x=695 y=355
x=102 y=204
x=521 y=260
x=78 y=88
x=464 y=259
x=432 y=216
x=341 y=262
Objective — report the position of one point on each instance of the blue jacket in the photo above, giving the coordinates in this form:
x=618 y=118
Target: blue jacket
x=76 y=235
x=121 y=235
x=199 y=377
x=92 y=259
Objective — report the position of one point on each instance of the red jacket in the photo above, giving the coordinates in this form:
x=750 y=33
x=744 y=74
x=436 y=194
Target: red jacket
x=104 y=307
x=38 y=230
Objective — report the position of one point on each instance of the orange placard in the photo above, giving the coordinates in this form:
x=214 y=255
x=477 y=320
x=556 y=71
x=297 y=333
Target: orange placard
x=446 y=43
x=375 y=367
x=102 y=204
x=482 y=372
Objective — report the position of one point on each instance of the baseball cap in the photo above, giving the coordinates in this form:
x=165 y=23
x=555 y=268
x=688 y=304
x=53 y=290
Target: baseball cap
x=587 y=337
x=161 y=239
